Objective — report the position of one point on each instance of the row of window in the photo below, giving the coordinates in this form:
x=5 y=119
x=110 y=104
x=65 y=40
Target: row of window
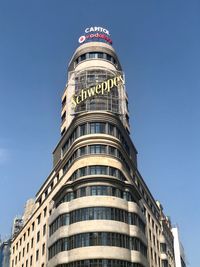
x=95 y=149
x=153 y=239
x=96 y=213
x=97 y=239
x=147 y=199
x=105 y=102
x=97 y=170
x=107 y=128
x=27 y=234
x=93 y=128
x=29 y=263
x=100 y=263
x=96 y=190
x=89 y=77
x=95 y=55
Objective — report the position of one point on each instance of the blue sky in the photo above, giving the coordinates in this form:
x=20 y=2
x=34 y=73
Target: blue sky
x=158 y=46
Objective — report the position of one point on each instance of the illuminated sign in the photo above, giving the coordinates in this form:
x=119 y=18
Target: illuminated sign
x=97 y=29
x=99 y=89
x=95 y=34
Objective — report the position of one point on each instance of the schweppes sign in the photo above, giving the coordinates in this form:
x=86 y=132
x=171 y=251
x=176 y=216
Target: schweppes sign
x=99 y=89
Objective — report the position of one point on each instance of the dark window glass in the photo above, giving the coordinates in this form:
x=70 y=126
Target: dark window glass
x=83 y=129
x=83 y=150
x=97 y=127
x=97 y=239
x=83 y=171
x=83 y=57
x=96 y=213
x=100 y=55
x=97 y=149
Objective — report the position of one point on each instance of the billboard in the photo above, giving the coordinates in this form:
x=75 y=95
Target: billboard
x=95 y=34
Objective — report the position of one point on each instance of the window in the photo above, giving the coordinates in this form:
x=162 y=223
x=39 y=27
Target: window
x=83 y=150
x=164 y=263
x=32 y=242
x=97 y=149
x=111 y=129
x=97 y=127
x=63 y=131
x=92 y=55
x=151 y=253
x=64 y=101
x=43 y=249
x=33 y=226
x=40 y=201
x=27 y=247
x=63 y=117
x=149 y=234
x=44 y=229
x=38 y=219
x=112 y=150
x=154 y=240
x=83 y=171
x=31 y=260
x=97 y=169
x=83 y=129
x=37 y=255
x=45 y=212
x=108 y=57
x=163 y=247
x=157 y=245
x=38 y=236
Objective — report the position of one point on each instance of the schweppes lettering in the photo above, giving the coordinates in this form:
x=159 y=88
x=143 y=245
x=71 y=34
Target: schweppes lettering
x=99 y=89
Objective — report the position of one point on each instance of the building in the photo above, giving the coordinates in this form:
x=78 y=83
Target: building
x=17 y=225
x=5 y=253
x=180 y=257
x=94 y=209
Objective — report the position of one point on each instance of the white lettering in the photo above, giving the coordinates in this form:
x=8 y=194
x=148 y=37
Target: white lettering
x=97 y=29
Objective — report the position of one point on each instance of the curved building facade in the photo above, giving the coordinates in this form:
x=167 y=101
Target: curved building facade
x=94 y=209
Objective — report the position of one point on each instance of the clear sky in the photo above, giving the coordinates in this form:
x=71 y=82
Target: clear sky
x=158 y=43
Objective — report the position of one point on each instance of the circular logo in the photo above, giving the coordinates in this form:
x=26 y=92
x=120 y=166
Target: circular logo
x=81 y=39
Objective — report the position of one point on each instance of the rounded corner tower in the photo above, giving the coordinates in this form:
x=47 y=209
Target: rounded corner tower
x=95 y=80
x=98 y=203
